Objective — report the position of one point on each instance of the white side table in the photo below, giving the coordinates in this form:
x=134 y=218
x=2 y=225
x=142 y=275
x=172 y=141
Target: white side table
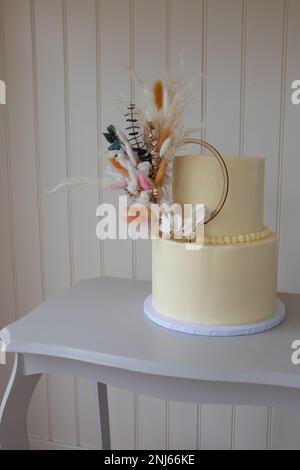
x=98 y=330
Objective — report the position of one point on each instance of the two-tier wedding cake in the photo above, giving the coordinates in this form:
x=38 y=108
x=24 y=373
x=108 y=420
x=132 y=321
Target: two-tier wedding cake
x=232 y=279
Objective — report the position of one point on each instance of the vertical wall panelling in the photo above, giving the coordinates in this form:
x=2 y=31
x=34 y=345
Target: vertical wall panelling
x=243 y=77
x=182 y=426
x=52 y=99
x=22 y=154
x=263 y=91
x=115 y=83
x=84 y=161
x=251 y=428
x=25 y=218
x=39 y=419
x=122 y=418
x=114 y=45
x=216 y=427
x=285 y=430
x=286 y=426
x=6 y=255
x=186 y=21
x=7 y=308
x=223 y=76
x=186 y=35
x=82 y=84
x=204 y=70
x=152 y=426
x=289 y=259
x=150 y=63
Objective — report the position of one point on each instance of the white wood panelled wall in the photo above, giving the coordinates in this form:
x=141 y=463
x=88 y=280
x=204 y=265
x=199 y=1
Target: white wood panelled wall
x=58 y=58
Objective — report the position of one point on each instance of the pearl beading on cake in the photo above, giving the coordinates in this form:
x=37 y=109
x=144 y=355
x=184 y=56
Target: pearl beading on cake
x=236 y=239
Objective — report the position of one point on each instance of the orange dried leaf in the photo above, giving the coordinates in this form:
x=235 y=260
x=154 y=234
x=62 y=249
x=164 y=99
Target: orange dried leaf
x=161 y=173
x=118 y=167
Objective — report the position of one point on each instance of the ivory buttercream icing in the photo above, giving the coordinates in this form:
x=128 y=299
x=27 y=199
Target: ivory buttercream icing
x=232 y=279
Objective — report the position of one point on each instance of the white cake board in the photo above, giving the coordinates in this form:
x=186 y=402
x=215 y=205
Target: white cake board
x=215 y=330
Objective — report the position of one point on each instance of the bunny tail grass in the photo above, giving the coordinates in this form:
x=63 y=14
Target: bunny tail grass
x=158 y=94
x=69 y=182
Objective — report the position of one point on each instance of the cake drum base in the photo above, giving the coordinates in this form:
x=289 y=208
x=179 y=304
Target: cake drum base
x=215 y=330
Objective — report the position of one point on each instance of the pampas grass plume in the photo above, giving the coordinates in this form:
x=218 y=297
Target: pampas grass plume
x=158 y=94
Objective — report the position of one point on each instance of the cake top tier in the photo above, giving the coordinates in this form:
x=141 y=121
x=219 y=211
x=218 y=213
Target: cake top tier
x=198 y=179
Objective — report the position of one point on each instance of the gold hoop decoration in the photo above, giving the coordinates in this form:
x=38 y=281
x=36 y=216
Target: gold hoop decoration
x=223 y=166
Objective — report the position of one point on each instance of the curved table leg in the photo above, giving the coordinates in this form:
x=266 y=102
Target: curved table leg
x=13 y=410
x=103 y=417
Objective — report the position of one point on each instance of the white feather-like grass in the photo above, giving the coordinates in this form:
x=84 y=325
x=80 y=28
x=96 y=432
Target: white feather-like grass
x=128 y=147
x=70 y=182
x=132 y=173
x=165 y=147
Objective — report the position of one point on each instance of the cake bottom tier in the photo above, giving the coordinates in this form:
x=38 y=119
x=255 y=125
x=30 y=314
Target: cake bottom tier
x=216 y=285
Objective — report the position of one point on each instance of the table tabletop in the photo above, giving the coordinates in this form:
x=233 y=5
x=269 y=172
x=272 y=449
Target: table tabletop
x=101 y=321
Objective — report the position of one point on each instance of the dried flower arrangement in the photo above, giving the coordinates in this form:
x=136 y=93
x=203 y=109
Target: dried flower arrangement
x=140 y=157
x=140 y=160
